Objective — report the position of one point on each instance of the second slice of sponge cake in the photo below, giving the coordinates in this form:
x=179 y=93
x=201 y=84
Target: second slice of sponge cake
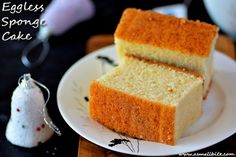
x=147 y=100
x=164 y=38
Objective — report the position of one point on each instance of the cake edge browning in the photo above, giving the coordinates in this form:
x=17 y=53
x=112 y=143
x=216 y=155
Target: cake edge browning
x=150 y=61
x=127 y=114
x=208 y=90
x=192 y=43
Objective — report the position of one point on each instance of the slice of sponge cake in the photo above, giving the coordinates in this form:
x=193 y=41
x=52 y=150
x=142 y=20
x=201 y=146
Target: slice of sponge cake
x=168 y=39
x=147 y=100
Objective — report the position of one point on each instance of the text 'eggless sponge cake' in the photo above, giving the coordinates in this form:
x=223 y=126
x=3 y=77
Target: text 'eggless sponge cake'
x=164 y=38
x=147 y=99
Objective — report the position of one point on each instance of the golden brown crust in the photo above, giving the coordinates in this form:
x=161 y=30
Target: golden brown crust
x=131 y=115
x=165 y=31
x=165 y=64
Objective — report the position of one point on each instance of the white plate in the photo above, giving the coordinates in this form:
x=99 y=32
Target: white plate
x=216 y=124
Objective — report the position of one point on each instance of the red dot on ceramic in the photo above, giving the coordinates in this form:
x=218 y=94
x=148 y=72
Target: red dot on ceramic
x=43 y=125
x=38 y=129
x=18 y=110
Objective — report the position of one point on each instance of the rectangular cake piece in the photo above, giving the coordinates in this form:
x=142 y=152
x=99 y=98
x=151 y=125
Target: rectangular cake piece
x=165 y=38
x=147 y=100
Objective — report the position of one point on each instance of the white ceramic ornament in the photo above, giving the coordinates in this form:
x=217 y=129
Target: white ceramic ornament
x=29 y=122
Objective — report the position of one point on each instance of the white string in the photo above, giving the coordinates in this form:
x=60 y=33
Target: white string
x=44 y=111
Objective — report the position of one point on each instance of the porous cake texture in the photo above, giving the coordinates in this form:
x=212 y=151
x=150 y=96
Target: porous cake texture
x=147 y=100
x=164 y=38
